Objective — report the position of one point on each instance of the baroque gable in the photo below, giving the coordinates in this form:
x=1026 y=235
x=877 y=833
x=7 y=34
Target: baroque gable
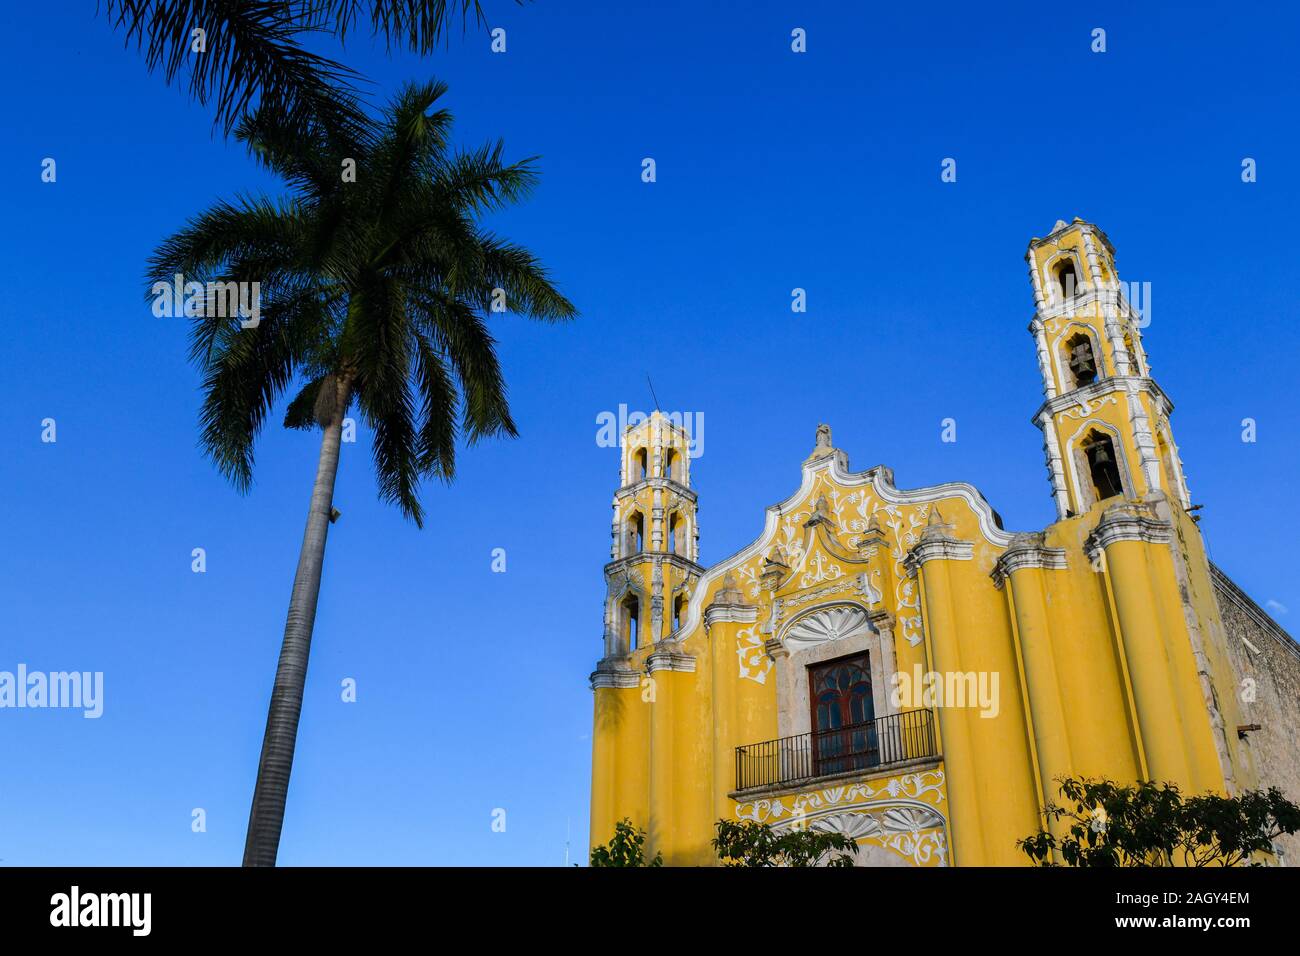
x=846 y=534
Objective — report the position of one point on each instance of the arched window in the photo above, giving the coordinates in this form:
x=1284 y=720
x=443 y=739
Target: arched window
x=670 y=464
x=1067 y=279
x=1082 y=359
x=679 y=611
x=635 y=533
x=673 y=522
x=631 y=622
x=642 y=465
x=1103 y=465
x=844 y=732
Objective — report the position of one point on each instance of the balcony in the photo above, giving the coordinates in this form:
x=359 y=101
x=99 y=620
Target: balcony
x=880 y=743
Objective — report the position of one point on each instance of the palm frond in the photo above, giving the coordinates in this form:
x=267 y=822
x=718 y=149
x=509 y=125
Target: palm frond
x=378 y=343
x=250 y=369
x=436 y=441
x=524 y=279
x=310 y=159
x=251 y=54
x=301 y=412
x=417 y=26
x=247 y=228
x=458 y=332
x=479 y=180
x=413 y=139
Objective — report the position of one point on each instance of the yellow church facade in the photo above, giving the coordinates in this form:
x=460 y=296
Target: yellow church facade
x=895 y=665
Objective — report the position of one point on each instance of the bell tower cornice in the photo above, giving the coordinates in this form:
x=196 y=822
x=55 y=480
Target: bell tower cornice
x=1085 y=398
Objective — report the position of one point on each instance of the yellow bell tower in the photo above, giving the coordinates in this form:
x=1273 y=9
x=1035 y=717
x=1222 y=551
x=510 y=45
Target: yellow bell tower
x=655 y=537
x=650 y=579
x=1105 y=421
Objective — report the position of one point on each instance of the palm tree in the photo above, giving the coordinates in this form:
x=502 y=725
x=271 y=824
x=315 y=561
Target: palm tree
x=253 y=52
x=374 y=293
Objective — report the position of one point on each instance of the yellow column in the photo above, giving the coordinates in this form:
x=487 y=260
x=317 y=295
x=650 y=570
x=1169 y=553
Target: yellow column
x=998 y=726
x=603 y=735
x=660 y=829
x=1148 y=664
x=958 y=754
x=1042 y=687
x=722 y=665
x=724 y=619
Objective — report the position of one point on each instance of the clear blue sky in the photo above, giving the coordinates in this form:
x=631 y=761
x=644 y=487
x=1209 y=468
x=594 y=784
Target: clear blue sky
x=775 y=171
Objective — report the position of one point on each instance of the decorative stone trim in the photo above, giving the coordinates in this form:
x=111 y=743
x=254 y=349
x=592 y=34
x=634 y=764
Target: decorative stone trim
x=881 y=621
x=656 y=482
x=937 y=544
x=1050 y=389
x=833 y=622
x=1028 y=551
x=1055 y=466
x=1084 y=297
x=857 y=584
x=614 y=672
x=872 y=540
x=1128 y=521
x=1178 y=479
x=773 y=573
x=1099 y=389
x=912 y=781
x=1035 y=279
x=668 y=656
x=717 y=613
x=634 y=561
x=937 y=549
x=1149 y=460
x=821 y=514
x=729 y=606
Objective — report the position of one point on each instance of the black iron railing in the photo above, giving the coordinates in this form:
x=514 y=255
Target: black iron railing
x=875 y=743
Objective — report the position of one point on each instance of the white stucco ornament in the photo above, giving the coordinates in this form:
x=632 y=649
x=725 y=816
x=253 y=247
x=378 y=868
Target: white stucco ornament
x=755 y=665
x=829 y=624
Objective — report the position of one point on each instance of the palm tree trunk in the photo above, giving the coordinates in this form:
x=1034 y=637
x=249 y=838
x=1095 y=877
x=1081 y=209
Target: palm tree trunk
x=267 y=814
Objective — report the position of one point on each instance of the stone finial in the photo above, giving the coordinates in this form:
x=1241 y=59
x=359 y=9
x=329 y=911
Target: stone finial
x=821 y=513
x=873 y=535
x=730 y=592
x=935 y=526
